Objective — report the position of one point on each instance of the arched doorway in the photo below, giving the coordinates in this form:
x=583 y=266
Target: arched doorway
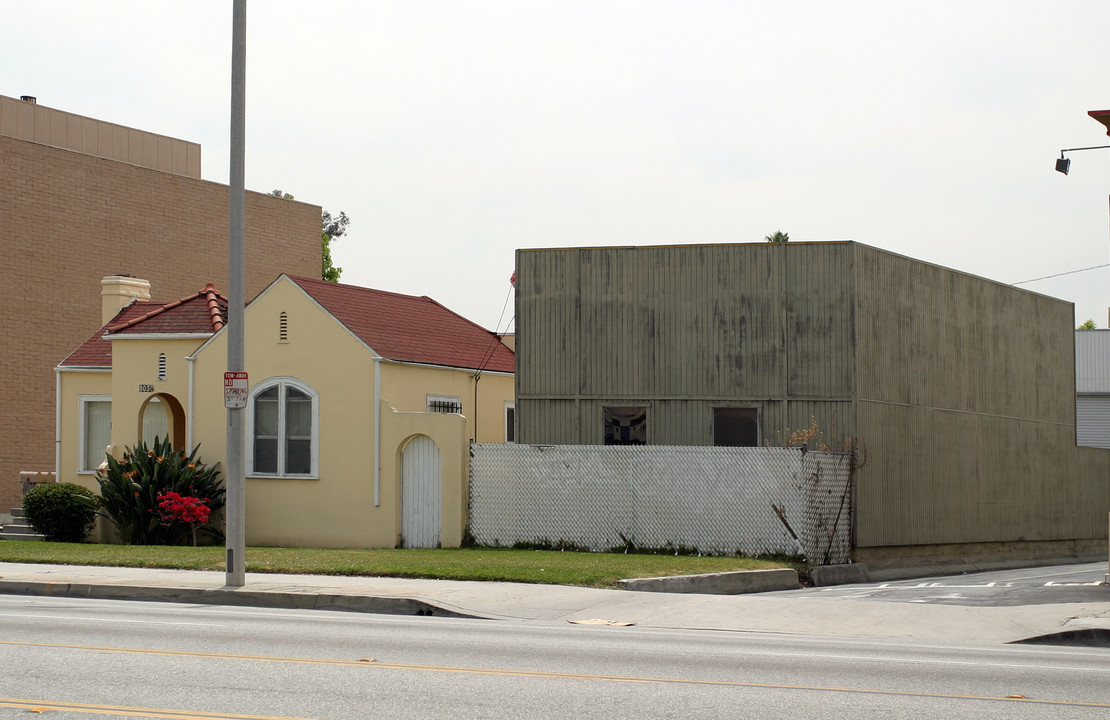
x=162 y=416
x=421 y=488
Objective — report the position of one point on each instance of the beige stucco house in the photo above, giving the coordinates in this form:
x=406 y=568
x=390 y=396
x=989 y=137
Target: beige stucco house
x=361 y=404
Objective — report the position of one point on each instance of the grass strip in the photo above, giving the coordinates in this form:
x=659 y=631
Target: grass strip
x=552 y=567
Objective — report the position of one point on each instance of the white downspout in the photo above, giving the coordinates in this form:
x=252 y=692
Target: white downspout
x=58 y=425
x=189 y=405
x=377 y=431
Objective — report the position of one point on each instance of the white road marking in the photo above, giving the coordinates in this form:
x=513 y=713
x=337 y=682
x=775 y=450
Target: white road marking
x=101 y=619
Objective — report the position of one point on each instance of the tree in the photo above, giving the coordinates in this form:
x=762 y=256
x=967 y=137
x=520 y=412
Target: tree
x=1089 y=325
x=778 y=238
x=331 y=229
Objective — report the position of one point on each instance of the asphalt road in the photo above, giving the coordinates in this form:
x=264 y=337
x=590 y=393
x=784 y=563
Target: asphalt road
x=98 y=658
x=1026 y=586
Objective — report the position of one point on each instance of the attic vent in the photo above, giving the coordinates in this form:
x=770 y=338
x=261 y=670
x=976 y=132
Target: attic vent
x=283 y=328
x=162 y=366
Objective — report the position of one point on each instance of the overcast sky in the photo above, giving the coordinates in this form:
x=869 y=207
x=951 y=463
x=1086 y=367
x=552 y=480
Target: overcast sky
x=453 y=132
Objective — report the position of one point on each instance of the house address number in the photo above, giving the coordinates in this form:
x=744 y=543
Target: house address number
x=146 y=388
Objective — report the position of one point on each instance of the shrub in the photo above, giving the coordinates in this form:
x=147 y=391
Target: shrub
x=57 y=511
x=132 y=488
x=193 y=511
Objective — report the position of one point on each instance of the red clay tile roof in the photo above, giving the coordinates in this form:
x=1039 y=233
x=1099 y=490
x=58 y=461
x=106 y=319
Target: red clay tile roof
x=407 y=328
x=202 y=312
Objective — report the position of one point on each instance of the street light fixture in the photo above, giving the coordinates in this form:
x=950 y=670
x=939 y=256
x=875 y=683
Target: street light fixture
x=1063 y=164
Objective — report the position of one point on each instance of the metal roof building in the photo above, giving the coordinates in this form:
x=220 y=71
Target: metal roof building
x=962 y=389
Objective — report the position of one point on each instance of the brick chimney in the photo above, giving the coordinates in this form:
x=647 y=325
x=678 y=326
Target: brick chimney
x=119 y=291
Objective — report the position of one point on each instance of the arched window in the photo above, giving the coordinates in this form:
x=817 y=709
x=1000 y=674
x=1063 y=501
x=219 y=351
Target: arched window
x=156 y=421
x=284 y=429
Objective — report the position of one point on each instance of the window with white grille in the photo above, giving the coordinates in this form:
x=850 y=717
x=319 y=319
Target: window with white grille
x=285 y=429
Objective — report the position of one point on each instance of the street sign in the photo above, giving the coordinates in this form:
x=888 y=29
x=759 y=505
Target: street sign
x=236 y=390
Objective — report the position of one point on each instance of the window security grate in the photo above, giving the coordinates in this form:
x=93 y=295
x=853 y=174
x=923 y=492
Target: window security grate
x=445 y=406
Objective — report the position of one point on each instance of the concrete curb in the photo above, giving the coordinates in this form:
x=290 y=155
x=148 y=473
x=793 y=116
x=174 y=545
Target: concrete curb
x=725 y=583
x=234 y=596
x=824 y=575
x=968 y=567
x=1086 y=637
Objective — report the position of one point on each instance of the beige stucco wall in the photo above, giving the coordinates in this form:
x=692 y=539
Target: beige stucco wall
x=73 y=385
x=135 y=364
x=449 y=432
x=330 y=509
x=407 y=387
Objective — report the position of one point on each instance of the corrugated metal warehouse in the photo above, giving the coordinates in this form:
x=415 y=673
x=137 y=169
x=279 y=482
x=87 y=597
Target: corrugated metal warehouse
x=962 y=389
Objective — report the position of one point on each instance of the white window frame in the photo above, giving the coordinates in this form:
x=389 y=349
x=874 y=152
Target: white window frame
x=82 y=435
x=282 y=383
x=453 y=399
x=510 y=425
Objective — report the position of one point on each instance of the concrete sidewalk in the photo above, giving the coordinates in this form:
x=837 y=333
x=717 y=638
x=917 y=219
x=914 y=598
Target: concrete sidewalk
x=780 y=612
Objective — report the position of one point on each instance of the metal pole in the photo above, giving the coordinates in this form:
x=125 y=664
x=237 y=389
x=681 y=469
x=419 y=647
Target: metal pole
x=235 y=470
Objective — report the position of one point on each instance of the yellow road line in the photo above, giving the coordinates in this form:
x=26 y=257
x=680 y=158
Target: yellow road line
x=40 y=706
x=547 y=674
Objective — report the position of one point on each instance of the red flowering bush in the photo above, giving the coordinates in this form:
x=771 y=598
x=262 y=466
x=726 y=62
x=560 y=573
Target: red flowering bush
x=132 y=487
x=183 y=508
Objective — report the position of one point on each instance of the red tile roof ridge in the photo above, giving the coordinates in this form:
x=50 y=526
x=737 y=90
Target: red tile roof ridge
x=328 y=284
x=213 y=296
x=208 y=292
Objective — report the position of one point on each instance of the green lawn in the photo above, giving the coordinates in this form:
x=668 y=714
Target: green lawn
x=532 y=566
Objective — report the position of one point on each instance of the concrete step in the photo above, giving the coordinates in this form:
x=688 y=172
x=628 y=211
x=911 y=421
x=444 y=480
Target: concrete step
x=19 y=528
x=10 y=533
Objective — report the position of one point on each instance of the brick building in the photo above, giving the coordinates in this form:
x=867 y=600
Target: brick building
x=81 y=199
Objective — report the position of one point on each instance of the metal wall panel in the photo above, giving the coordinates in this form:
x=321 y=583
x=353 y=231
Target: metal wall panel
x=1092 y=421
x=820 y=322
x=681 y=330
x=935 y=337
x=966 y=405
x=1092 y=361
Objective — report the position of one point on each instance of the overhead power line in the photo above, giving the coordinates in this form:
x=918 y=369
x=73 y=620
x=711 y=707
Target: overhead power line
x=1069 y=272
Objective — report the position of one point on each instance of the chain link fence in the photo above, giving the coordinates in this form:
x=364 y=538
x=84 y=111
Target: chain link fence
x=713 y=500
